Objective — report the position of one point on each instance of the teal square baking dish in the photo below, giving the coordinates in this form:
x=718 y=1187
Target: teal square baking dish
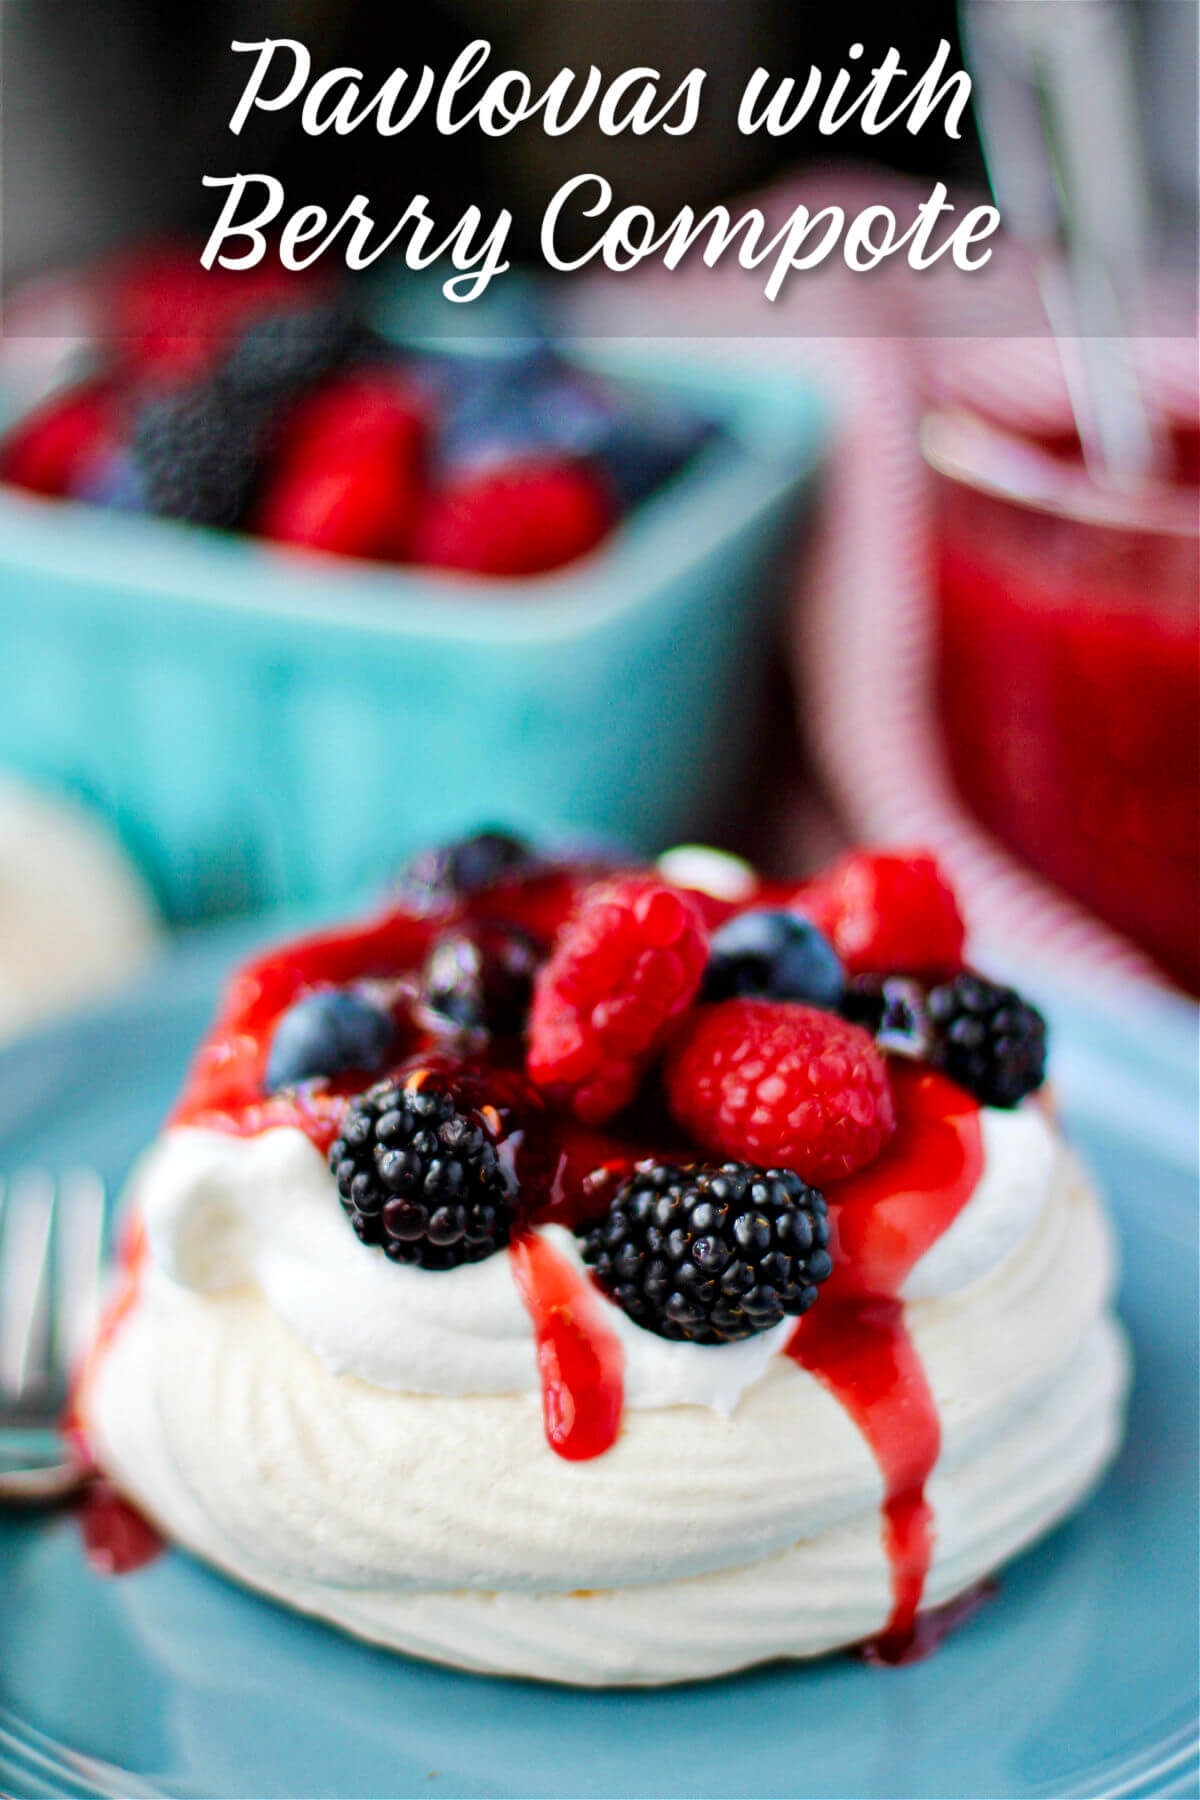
x=264 y=728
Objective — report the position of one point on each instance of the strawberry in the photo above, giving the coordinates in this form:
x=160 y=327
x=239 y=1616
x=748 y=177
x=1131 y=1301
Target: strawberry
x=520 y=519
x=52 y=447
x=349 y=477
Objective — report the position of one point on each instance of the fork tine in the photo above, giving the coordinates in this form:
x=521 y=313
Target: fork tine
x=78 y=1265
x=24 y=1283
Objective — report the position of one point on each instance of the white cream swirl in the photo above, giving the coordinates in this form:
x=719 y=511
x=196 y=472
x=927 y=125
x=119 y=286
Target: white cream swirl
x=828 y=1588
x=445 y=1525
x=365 y=1441
x=223 y=1211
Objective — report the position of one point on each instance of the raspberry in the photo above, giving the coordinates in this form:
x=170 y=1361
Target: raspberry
x=622 y=971
x=521 y=519
x=781 y=1085
x=360 y=506
x=174 y=318
x=888 y=914
x=347 y=412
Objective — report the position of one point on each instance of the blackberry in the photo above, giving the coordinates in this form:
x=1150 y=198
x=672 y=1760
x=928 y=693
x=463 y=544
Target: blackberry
x=421 y=1178
x=481 y=978
x=892 y=1009
x=325 y=1034
x=984 y=1037
x=197 y=454
x=281 y=353
x=711 y=1254
x=774 y=956
x=436 y=878
x=987 y=1039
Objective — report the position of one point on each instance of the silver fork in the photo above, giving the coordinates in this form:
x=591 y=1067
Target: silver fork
x=51 y=1263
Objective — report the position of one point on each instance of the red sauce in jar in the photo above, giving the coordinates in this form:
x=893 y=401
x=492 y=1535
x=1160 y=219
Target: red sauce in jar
x=1069 y=685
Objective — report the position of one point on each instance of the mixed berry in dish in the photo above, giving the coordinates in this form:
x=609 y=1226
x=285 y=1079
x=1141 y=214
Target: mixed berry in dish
x=271 y=407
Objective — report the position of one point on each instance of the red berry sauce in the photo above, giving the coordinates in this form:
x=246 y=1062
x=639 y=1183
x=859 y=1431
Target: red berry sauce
x=884 y=1219
x=117 y=1538
x=1068 y=684
x=855 y=1340
x=579 y=1358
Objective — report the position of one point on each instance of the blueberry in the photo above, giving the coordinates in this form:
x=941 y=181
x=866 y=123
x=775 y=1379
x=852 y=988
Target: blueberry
x=510 y=409
x=637 y=442
x=644 y=446
x=776 y=956
x=497 y=418
x=325 y=1034
x=115 y=481
x=474 y=444
x=577 y=416
x=484 y=858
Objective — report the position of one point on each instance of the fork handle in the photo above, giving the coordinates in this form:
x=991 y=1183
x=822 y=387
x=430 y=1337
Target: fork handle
x=35 y=1471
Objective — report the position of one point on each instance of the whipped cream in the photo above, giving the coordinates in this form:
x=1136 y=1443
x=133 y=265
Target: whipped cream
x=446 y=1526
x=222 y=1212
x=708 y=871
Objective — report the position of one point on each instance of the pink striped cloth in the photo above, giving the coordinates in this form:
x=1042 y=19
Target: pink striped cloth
x=860 y=637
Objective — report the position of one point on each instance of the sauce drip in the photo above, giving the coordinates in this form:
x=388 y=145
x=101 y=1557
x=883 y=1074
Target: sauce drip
x=580 y=1361
x=855 y=1340
x=929 y=1629
x=116 y=1537
x=863 y=1354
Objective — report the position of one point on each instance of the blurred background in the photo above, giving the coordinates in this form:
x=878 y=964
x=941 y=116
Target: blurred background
x=291 y=583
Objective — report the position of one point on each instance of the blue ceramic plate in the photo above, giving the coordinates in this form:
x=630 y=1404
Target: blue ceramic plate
x=1080 y=1677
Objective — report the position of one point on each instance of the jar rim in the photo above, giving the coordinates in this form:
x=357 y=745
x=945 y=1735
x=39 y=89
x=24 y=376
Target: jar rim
x=972 y=451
